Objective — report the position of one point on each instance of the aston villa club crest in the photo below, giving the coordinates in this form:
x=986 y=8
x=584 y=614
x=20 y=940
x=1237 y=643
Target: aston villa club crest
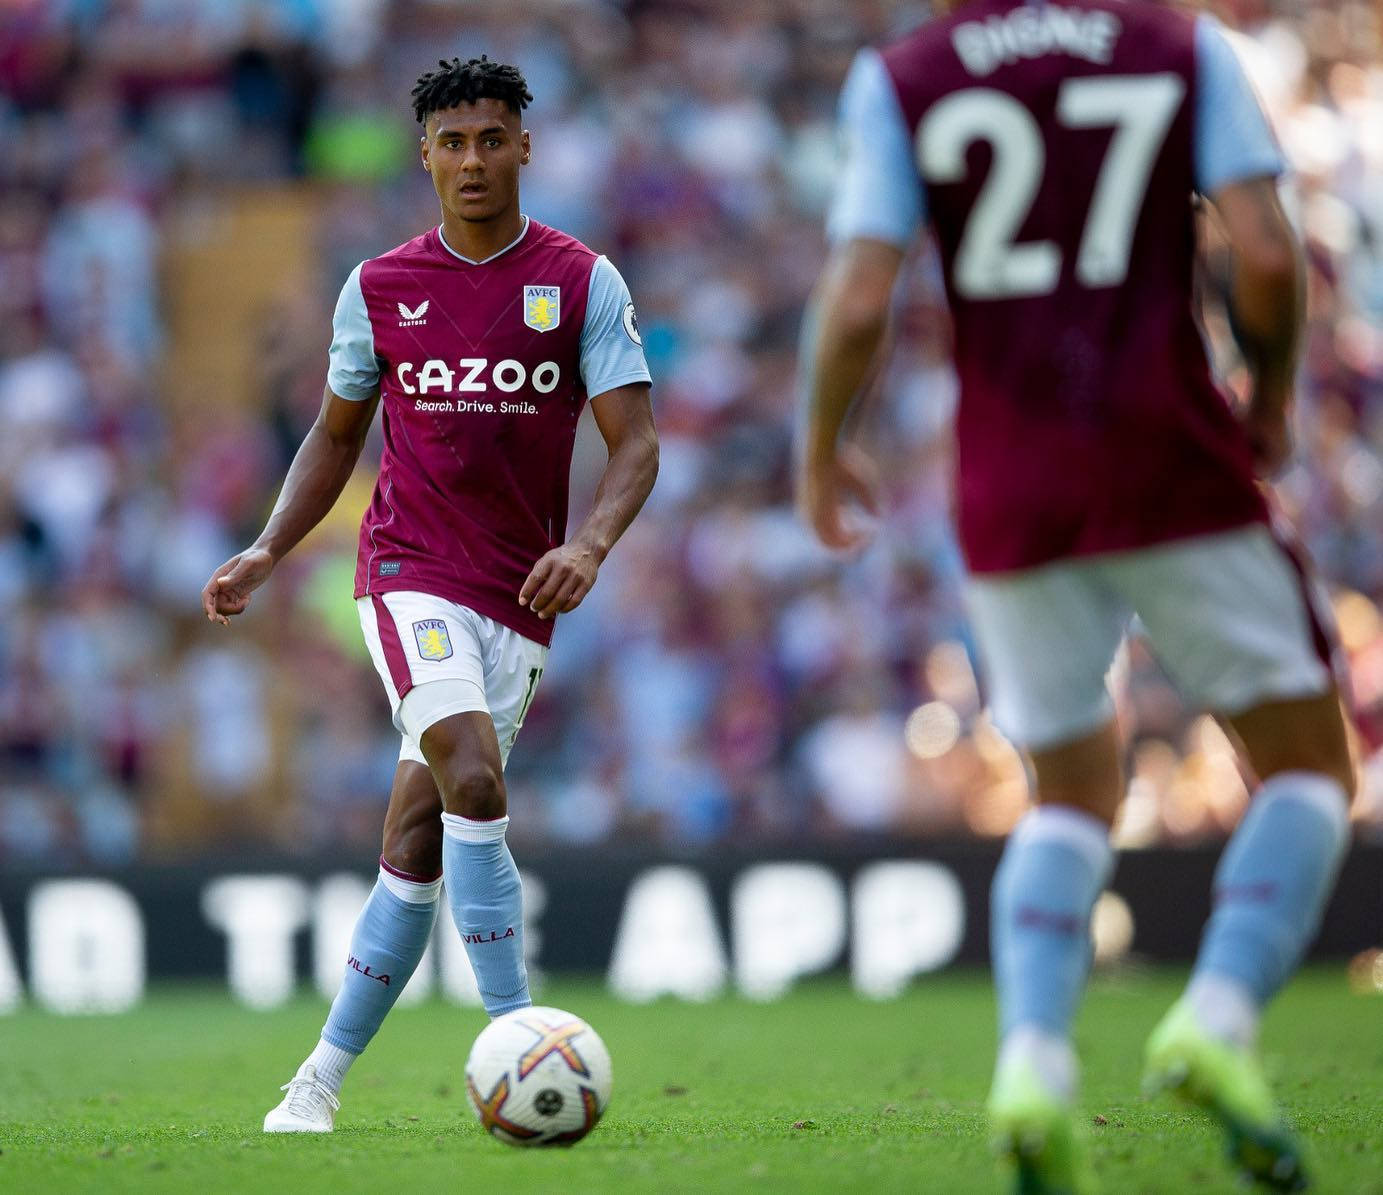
x=542 y=307
x=433 y=641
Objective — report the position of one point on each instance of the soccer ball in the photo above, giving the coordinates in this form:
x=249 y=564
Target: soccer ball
x=538 y=1076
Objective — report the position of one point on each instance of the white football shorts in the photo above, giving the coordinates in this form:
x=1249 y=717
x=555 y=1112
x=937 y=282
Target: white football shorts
x=1234 y=618
x=437 y=658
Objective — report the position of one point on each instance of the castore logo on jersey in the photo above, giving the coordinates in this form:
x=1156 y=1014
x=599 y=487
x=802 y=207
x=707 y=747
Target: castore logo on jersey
x=409 y=319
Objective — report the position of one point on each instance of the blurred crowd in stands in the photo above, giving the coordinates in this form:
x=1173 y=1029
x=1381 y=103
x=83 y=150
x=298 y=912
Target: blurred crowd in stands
x=727 y=681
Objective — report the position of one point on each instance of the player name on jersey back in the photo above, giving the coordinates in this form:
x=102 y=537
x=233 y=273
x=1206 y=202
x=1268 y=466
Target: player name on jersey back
x=481 y=389
x=1032 y=32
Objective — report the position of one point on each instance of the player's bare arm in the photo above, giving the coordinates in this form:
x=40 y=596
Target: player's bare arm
x=562 y=578
x=319 y=472
x=1267 y=299
x=844 y=334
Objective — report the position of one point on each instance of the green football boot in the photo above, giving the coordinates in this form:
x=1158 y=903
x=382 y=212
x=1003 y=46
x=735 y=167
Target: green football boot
x=1227 y=1082
x=1034 y=1130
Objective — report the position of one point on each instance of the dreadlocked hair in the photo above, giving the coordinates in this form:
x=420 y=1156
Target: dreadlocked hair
x=466 y=82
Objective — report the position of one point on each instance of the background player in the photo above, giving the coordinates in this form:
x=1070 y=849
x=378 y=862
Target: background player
x=1054 y=148
x=481 y=339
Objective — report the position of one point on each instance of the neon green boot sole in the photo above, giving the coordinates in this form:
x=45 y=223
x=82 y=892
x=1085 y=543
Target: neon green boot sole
x=1228 y=1083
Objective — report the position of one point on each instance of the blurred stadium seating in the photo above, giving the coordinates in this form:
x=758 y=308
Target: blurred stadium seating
x=184 y=186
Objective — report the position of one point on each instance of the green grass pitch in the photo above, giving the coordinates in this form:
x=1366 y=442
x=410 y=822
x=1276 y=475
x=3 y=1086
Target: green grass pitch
x=820 y=1092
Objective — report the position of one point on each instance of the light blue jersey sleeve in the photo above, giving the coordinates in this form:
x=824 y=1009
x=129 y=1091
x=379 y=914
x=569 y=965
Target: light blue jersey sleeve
x=611 y=348
x=352 y=367
x=880 y=196
x=1232 y=139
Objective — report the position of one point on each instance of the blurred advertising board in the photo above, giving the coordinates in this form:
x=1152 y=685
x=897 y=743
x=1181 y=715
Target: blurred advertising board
x=688 y=927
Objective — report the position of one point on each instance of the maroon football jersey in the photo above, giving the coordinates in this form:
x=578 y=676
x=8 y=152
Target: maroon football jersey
x=481 y=390
x=1055 y=143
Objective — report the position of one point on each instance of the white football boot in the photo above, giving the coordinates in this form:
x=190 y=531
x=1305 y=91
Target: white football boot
x=309 y=1107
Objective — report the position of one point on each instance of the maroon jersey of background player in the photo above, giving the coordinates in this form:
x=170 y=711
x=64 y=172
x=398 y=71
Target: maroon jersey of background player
x=1059 y=186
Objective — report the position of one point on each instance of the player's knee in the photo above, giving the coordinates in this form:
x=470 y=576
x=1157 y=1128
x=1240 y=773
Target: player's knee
x=1320 y=746
x=415 y=849
x=473 y=789
x=1304 y=736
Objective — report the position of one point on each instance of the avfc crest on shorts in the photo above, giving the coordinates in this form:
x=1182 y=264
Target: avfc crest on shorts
x=433 y=641
x=542 y=307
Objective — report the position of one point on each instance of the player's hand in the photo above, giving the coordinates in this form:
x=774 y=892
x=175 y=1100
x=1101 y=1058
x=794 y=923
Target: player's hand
x=228 y=592
x=560 y=580
x=1270 y=437
x=831 y=495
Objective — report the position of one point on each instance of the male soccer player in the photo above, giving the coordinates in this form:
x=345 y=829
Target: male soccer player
x=481 y=339
x=1055 y=149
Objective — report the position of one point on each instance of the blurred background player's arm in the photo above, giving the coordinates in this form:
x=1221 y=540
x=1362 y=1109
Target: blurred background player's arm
x=1266 y=298
x=845 y=329
x=1237 y=166
x=876 y=211
x=319 y=472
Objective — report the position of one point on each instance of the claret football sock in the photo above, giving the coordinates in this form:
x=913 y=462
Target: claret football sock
x=388 y=942
x=1054 y=867
x=486 y=900
x=1270 y=890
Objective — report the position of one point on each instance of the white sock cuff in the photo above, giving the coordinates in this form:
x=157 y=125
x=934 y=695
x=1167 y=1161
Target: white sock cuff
x=409 y=888
x=1081 y=831
x=1224 y=1007
x=331 y=1063
x=1048 y=1053
x=466 y=829
x=329 y=1054
x=1316 y=791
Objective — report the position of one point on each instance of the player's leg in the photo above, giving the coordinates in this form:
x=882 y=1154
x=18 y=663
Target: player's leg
x=389 y=939
x=409 y=637
x=467 y=751
x=1279 y=868
x=1271 y=887
x=1054 y=867
x=1053 y=870
x=1047 y=639
x=1236 y=625
x=438 y=662
x=483 y=885
x=395 y=925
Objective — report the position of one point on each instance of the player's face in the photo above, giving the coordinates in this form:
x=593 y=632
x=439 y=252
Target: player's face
x=474 y=152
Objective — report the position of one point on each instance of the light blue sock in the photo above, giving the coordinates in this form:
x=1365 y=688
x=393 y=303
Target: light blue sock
x=1273 y=881
x=487 y=905
x=1054 y=867
x=389 y=939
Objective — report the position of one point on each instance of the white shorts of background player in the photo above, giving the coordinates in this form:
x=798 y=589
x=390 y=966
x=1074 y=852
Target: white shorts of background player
x=475 y=664
x=1233 y=618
